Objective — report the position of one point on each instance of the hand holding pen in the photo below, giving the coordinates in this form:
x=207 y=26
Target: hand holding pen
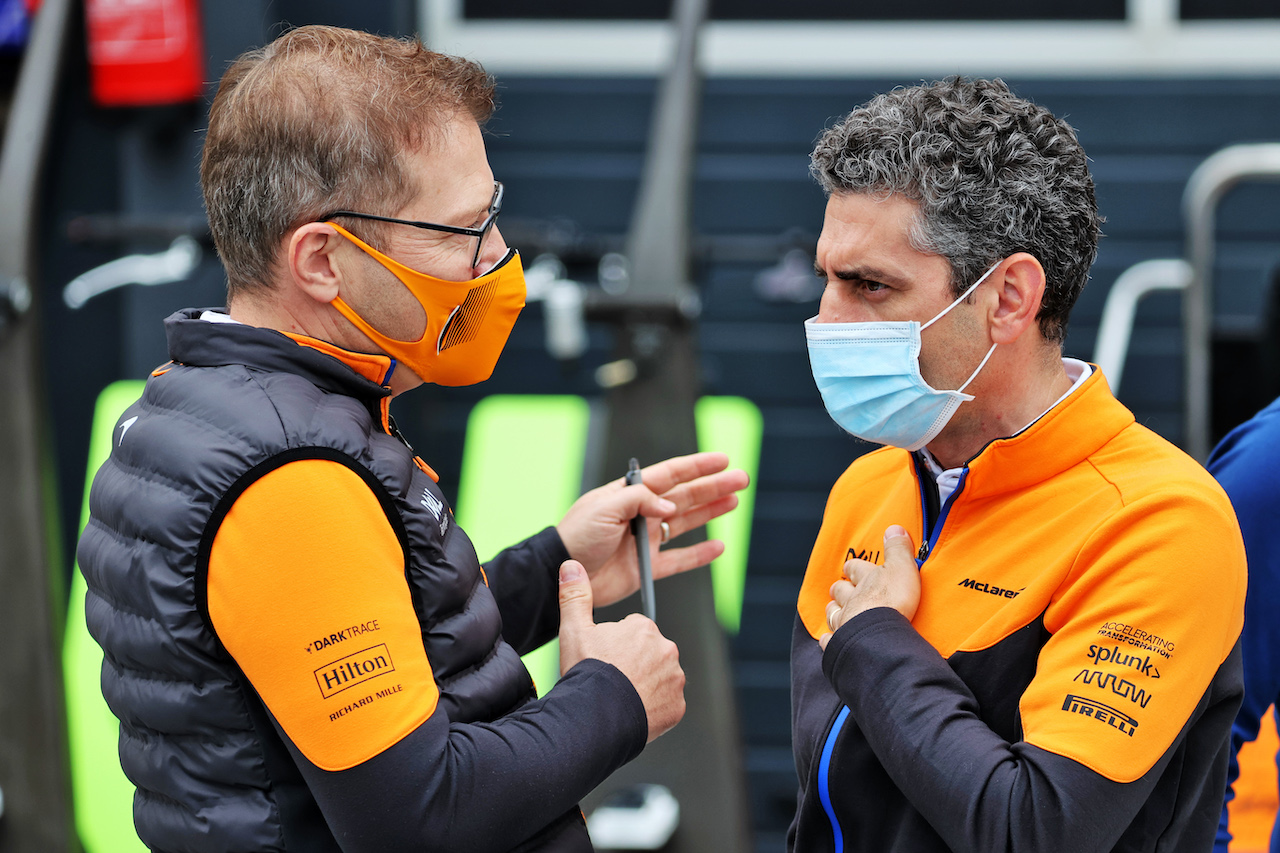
x=640 y=531
x=684 y=492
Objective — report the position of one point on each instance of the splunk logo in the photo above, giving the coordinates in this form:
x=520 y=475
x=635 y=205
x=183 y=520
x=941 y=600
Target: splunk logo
x=354 y=669
x=1101 y=712
x=1112 y=654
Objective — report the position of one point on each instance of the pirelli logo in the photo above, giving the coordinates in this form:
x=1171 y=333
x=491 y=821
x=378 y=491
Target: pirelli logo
x=1101 y=712
x=357 y=668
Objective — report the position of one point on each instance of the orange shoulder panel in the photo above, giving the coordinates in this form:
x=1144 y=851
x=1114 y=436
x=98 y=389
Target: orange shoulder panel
x=307 y=592
x=1150 y=609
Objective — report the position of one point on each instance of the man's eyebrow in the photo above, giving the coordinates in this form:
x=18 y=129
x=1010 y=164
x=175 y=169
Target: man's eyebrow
x=860 y=274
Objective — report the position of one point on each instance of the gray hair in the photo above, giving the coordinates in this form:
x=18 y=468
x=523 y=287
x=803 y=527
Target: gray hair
x=992 y=173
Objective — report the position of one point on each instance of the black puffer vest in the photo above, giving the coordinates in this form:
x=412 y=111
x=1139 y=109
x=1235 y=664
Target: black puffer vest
x=211 y=772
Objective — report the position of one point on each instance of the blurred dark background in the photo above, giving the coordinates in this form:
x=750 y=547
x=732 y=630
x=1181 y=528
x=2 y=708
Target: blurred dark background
x=569 y=149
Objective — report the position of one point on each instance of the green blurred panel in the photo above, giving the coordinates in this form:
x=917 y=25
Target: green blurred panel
x=103 y=795
x=521 y=471
x=731 y=425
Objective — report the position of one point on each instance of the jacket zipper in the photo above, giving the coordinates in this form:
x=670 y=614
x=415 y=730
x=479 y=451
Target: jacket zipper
x=929 y=535
x=929 y=501
x=394 y=432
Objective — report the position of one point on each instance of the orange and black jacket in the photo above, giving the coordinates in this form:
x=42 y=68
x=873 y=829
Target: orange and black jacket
x=1069 y=679
x=300 y=643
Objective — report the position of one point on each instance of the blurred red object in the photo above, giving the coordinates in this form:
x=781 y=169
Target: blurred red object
x=144 y=52
x=32 y=6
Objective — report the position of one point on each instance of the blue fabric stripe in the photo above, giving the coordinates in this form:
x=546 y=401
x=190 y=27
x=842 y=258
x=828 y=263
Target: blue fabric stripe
x=946 y=510
x=824 y=767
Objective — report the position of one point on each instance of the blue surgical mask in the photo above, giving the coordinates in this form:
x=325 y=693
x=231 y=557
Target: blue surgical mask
x=869 y=377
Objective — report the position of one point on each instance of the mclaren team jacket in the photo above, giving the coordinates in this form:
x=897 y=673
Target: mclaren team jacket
x=1069 y=680
x=302 y=647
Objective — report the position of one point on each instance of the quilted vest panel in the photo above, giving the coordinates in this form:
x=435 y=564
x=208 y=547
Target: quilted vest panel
x=192 y=734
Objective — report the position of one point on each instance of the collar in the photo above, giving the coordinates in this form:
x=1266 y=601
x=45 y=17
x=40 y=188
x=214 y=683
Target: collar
x=947 y=479
x=1071 y=431
x=201 y=343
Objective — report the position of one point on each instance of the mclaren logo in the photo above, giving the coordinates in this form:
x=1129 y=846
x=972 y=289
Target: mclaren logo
x=354 y=669
x=124 y=427
x=982 y=586
x=1101 y=712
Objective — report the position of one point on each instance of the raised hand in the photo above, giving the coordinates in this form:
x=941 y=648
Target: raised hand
x=635 y=646
x=685 y=492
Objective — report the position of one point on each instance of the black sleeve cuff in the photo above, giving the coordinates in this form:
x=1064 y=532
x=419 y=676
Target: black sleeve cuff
x=618 y=698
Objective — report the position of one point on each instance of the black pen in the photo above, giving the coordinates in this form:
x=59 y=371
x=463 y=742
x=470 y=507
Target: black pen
x=640 y=530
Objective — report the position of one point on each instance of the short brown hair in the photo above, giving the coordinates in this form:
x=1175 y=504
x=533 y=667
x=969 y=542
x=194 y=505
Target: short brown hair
x=320 y=119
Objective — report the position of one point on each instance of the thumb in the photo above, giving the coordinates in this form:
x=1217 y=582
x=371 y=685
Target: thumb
x=898 y=546
x=575 y=598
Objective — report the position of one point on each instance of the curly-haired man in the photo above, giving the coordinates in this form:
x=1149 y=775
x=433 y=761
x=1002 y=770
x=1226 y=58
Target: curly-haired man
x=1018 y=627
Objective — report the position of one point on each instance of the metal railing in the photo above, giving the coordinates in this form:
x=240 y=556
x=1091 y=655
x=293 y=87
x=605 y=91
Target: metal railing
x=1116 y=327
x=1211 y=180
x=1206 y=187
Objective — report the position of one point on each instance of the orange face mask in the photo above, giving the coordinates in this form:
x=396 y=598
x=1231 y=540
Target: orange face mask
x=468 y=322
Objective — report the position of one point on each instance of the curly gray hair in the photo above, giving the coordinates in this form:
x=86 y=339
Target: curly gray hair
x=992 y=173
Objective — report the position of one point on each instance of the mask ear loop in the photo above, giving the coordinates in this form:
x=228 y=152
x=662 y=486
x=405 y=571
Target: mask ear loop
x=963 y=296
x=975 y=373
x=959 y=299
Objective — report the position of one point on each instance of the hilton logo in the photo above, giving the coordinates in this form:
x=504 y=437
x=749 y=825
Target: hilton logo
x=1102 y=713
x=354 y=669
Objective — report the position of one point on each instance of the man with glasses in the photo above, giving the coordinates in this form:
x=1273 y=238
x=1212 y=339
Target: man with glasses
x=301 y=645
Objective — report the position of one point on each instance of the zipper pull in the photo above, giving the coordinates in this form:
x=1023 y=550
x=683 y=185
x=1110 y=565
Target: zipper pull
x=394 y=431
x=923 y=553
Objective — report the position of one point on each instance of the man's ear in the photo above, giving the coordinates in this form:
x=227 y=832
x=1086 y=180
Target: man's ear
x=1020 y=289
x=313 y=267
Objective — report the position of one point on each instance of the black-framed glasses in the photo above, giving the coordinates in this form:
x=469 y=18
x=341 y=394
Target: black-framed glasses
x=495 y=207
